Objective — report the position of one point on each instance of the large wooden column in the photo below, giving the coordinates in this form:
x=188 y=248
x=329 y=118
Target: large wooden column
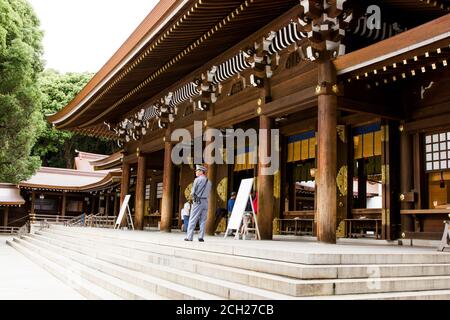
x=212 y=202
x=406 y=180
x=265 y=182
x=326 y=164
x=168 y=186
x=140 y=193
x=63 y=205
x=5 y=216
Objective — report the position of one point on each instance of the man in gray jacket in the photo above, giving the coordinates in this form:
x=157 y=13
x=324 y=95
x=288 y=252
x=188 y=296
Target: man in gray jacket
x=199 y=211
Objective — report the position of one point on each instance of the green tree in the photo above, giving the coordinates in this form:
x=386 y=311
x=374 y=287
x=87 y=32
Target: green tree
x=20 y=64
x=57 y=148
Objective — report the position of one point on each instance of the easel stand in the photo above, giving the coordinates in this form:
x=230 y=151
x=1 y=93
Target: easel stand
x=125 y=207
x=247 y=226
x=445 y=242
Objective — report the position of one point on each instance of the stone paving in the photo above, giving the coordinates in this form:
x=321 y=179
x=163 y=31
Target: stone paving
x=21 y=279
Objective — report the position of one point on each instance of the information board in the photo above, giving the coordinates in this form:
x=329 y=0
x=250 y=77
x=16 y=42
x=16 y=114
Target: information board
x=242 y=199
x=122 y=211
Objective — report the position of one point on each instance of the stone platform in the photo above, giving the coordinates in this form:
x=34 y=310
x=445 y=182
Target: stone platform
x=21 y=279
x=116 y=264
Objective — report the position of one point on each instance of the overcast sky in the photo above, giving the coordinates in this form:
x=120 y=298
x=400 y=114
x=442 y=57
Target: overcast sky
x=81 y=35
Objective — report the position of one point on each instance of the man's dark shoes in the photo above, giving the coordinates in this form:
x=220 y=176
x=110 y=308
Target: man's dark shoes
x=187 y=239
x=201 y=240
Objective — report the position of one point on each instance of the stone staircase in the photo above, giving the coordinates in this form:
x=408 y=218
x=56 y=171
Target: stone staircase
x=112 y=264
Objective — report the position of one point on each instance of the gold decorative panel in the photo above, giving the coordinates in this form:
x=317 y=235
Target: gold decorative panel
x=341 y=180
x=276 y=184
x=187 y=191
x=341 y=133
x=222 y=188
x=340 y=232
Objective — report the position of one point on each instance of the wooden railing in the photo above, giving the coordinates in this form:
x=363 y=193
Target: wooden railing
x=99 y=221
x=9 y=230
x=51 y=219
x=296 y=223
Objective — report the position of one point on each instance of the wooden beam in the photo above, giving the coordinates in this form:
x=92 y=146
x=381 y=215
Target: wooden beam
x=358 y=119
x=299 y=126
x=385 y=111
x=299 y=101
x=233 y=116
x=384 y=51
x=437 y=122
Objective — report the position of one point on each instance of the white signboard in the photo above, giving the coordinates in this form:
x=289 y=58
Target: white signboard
x=241 y=203
x=122 y=211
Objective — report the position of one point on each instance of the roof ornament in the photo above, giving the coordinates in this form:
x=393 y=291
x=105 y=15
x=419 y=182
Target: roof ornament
x=324 y=22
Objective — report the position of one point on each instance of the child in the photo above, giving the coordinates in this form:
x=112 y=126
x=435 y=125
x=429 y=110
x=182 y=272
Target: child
x=185 y=213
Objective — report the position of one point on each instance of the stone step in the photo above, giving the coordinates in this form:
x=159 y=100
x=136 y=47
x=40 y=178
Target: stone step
x=317 y=254
x=242 y=264
x=221 y=288
x=141 y=261
x=107 y=282
x=411 y=295
x=146 y=281
x=291 y=287
x=86 y=288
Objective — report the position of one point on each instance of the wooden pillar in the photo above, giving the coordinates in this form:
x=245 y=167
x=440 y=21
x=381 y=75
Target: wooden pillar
x=326 y=166
x=168 y=184
x=283 y=178
x=124 y=187
x=63 y=205
x=140 y=193
x=265 y=182
x=107 y=204
x=292 y=190
x=116 y=206
x=33 y=203
x=5 y=216
x=344 y=176
x=212 y=202
x=420 y=184
x=362 y=184
x=406 y=180
x=93 y=205
x=125 y=183
x=390 y=211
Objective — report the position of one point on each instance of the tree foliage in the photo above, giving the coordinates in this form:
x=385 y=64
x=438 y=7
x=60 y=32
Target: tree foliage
x=20 y=64
x=57 y=148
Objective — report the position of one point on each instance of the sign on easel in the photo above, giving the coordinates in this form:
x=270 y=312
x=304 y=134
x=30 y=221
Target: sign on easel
x=124 y=207
x=445 y=242
x=238 y=214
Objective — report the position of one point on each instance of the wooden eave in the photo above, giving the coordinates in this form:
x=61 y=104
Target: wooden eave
x=113 y=161
x=406 y=45
x=207 y=28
